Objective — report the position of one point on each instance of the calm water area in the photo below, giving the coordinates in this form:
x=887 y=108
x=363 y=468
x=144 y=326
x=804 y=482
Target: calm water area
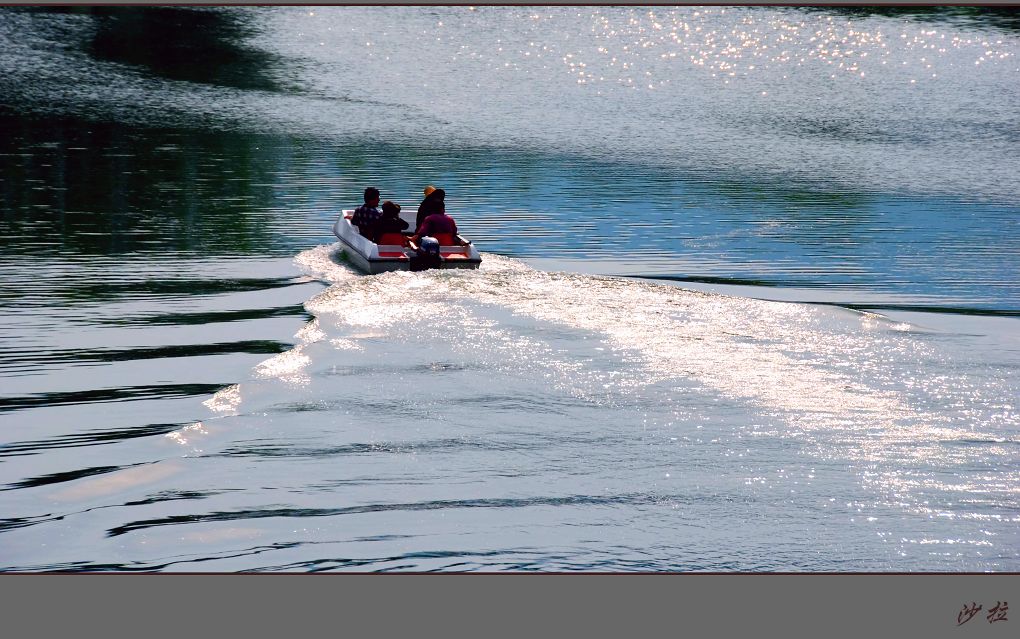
x=749 y=299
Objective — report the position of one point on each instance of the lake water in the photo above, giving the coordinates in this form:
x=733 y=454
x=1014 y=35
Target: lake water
x=749 y=298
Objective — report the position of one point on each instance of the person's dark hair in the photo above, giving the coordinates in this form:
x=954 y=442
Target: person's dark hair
x=390 y=209
x=439 y=195
x=371 y=193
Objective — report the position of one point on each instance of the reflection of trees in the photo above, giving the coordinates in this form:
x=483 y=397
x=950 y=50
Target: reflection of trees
x=994 y=17
x=196 y=44
x=103 y=188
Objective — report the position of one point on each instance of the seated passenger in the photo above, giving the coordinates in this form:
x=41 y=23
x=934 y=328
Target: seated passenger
x=438 y=222
x=366 y=216
x=390 y=221
x=434 y=201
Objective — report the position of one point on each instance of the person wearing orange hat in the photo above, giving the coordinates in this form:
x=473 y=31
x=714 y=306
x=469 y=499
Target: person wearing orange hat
x=434 y=202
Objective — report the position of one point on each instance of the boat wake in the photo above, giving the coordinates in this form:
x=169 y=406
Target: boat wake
x=794 y=368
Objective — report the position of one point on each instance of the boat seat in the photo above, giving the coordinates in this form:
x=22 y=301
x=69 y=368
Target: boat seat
x=445 y=239
x=392 y=239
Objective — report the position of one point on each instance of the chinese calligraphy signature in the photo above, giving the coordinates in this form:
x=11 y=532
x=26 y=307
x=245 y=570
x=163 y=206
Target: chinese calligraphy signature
x=995 y=613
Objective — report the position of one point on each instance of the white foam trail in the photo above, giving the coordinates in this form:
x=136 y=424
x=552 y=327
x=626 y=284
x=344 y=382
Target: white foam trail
x=310 y=333
x=740 y=346
x=187 y=435
x=322 y=262
x=288 y=366
x=226 y=400
x=805 y=365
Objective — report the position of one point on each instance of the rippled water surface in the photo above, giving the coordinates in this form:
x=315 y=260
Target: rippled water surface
x=748 y=299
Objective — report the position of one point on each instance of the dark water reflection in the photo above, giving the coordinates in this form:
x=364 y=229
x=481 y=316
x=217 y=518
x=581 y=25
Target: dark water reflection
x=167 y=41
x=987 y=17
x=99 y=188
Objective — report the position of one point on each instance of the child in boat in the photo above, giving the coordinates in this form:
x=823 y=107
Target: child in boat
x=366 y=217
x=390 y=221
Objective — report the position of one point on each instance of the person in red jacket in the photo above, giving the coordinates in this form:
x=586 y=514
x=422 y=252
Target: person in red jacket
x=438 y=222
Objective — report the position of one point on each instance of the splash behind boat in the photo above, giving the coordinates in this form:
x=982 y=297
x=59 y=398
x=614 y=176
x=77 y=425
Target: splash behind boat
x=395 y=252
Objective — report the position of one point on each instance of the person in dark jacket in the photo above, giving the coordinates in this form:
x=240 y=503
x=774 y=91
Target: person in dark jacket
x=366 y=216
x=390 y=221
x=435 y=200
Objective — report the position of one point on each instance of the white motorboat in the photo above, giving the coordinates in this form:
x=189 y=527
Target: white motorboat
x=396 y=251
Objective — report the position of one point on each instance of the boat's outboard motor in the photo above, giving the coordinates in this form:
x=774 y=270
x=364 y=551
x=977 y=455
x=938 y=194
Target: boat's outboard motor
x=428 y=255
